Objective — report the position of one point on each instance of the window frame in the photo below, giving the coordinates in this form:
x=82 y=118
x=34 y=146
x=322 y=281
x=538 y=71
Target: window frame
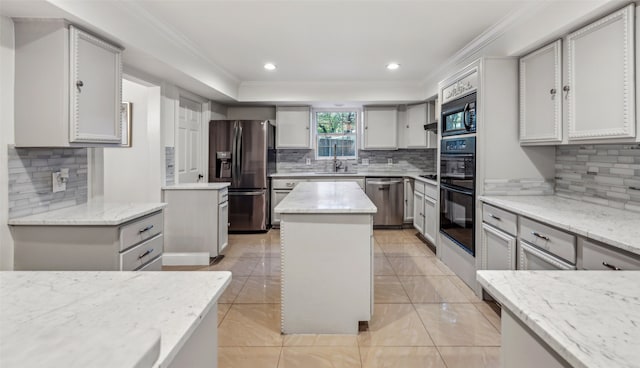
x=356 y=135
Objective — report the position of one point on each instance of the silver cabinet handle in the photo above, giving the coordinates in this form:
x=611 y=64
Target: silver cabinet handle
x=537 y=234
x=495 y=217
x=611 y=266
x=149 y=251
x=145 y=229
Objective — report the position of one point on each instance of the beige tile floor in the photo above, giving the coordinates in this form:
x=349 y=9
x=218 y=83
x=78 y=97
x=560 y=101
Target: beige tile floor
x=424 y=315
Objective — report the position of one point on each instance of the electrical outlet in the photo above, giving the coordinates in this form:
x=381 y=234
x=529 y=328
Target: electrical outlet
x=308 y=160
x=365 y=162
x=58 y=185
x=389 y=161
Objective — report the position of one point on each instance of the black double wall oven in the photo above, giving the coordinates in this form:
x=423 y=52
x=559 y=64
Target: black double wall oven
x=457 y=191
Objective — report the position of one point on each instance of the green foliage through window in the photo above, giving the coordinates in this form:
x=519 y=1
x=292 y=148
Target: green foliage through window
x=336 y=133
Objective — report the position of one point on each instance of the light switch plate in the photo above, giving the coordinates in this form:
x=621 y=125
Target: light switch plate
x=389 y=161
x=365 y=162
x=308 y=160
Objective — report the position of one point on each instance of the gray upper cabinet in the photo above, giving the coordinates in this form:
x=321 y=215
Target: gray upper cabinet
x=68 y=87
x=601 y=78
x=540 y=95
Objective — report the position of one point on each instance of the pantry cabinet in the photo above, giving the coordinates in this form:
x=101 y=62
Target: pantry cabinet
x=68 y=86
x=380 y=128
x=582 y=88
x=293 y=127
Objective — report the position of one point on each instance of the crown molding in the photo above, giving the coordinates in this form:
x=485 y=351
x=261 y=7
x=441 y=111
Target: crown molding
x=486 y=38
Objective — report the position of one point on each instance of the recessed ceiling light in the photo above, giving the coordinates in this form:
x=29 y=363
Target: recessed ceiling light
x=393 y=66
x=270 y=66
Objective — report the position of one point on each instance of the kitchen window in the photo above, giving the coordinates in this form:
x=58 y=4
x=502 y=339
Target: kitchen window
x=336 y=134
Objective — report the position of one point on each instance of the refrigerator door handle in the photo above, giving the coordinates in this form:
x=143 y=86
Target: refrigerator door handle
x=240 y=152
x=254 y=193
x=234 y=153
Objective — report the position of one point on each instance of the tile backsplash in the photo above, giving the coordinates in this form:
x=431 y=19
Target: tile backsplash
x=519 y=187
x=604 y=174
x=170 y=165
x=403 y=160
x=30 y=179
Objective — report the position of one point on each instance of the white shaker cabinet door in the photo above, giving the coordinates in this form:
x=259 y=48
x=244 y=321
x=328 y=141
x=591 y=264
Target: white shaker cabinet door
x=418 y=212
x=416 y=136
x=408 y=200
x=601 y=78
x=293 y=127
x=430 y=211
x=381 y=128
x=95 y=88
x=541 y=95
x=223 y=227
x=498 y=249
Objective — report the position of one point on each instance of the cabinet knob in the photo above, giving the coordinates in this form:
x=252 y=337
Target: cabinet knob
x=566 y=89
x=553 y=92
x=79 y=85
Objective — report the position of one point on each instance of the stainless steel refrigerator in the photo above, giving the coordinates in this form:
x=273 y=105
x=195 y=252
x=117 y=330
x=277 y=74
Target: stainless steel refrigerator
x=242 y=152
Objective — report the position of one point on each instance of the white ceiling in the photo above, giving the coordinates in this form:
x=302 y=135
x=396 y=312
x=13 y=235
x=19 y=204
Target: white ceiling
x=329 y=40
x=326 y=51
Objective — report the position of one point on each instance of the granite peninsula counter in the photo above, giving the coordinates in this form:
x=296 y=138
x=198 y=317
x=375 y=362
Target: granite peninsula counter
x=109 y=319
x=326 y=232
x=580 y=319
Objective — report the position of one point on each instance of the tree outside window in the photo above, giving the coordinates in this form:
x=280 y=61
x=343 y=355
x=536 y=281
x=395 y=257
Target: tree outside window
x=336 y=134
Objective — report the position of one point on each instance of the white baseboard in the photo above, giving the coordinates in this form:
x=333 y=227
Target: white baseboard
x=185 y=259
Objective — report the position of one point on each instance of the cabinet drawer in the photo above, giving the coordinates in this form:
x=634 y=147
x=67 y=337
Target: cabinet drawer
x=503 y=220
x=549 y=239
x=155 y=265
x=419 y=187
x=431 y=190
x=139 y=255
x=596 y=256
x=141 y=230
x=285 y=183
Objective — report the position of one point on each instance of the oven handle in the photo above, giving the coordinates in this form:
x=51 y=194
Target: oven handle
x=452 y=189
x=467 y=123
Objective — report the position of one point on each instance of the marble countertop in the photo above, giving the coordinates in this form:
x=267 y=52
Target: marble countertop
x=50 y=317
x=590 y=318
x=348 y=174
x=326 y=197
x=418 y=177
x=196 y=186
x=618 y=228
x=91 y=213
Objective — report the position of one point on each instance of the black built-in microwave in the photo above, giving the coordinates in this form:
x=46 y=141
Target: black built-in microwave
x=459 y=116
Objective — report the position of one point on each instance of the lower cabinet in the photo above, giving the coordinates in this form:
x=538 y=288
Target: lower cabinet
x=418 y=212
x=223 y=223
x=533 y=258
x=430 y=219
x=133 y=246
x=408 y=200
x=498 y=250
x=593 y=255
x=277 y=195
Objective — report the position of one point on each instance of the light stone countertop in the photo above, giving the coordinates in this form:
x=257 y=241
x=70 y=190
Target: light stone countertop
x=617 y=228
x=590 y=318
x=71 y=318
x=91 y=213
x=196 y=186
x=326 y=197
x=370 y=174
x=418 y=177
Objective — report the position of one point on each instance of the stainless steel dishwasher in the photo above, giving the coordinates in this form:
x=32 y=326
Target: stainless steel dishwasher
x=388 y=196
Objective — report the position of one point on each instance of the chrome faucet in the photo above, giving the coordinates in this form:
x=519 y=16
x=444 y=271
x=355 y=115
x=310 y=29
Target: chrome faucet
x=336 y=163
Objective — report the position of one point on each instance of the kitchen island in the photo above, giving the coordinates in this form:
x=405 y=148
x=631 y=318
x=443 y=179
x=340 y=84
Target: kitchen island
x=580 y=319
x=109 y=319
x=327 y=258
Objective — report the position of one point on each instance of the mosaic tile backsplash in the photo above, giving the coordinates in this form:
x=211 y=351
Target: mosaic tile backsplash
x=515 y=187
x=170 y=165
x=604 y=174
x=403 y=160
x=30 y=179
